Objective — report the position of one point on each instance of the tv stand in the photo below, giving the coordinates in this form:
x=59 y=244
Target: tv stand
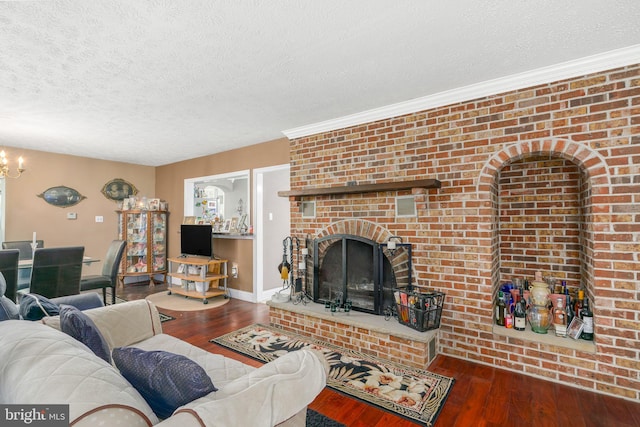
x=200 y=277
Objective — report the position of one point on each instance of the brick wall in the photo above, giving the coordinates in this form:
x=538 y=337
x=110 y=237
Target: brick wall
x=589 y=127
x=540 y=220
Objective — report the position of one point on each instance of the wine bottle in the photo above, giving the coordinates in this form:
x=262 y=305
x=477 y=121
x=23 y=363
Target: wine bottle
x=587 y=318
x=568 y=308
x=519 y=315
x=501 y=308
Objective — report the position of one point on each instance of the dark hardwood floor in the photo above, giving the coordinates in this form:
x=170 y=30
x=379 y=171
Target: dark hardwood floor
x=481 y=396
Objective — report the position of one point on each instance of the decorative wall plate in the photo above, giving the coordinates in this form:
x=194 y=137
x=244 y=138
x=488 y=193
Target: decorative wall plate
x=62 y=196
x=118 y=189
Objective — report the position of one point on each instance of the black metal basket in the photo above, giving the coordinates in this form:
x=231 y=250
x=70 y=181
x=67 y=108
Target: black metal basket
x=419 y=310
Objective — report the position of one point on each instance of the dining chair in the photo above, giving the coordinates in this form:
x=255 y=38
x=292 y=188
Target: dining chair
x=109 y=276
x=56 y=272
x=26 y=252
x=9 y=269
x=24 y=246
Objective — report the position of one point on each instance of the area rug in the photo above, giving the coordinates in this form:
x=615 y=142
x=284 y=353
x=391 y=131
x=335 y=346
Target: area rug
x=163 y=317
x=316 y=419
x=415 y=394
x=177 y=302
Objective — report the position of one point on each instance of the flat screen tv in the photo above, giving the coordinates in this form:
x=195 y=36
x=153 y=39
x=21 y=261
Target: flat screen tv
x=196 y=240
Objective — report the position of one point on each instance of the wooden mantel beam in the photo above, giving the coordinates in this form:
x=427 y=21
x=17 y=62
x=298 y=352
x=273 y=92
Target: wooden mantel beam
x=361 y=188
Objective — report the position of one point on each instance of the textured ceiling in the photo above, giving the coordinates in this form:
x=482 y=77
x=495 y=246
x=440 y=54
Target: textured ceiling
x=154 y=82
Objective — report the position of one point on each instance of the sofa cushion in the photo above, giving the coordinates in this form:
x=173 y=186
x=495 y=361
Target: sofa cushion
x=35 y=307
x=166 y=380
x=41 y=364
x=77 y=324
x=222 y=370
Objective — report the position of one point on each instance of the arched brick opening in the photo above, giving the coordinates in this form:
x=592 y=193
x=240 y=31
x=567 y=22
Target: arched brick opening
x=594 y=180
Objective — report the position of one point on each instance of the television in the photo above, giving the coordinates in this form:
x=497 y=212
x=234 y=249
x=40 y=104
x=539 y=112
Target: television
x=196 y=240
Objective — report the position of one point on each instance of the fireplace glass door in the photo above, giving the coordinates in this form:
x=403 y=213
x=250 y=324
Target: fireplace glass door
x=348 y=267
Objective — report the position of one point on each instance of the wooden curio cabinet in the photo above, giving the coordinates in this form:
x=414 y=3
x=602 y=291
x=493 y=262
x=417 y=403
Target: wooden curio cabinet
x=145 y=232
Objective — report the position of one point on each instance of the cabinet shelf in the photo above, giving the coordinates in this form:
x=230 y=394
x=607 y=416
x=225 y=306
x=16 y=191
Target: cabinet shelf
x=361 y=188
x=197 y=278
x=212 y=274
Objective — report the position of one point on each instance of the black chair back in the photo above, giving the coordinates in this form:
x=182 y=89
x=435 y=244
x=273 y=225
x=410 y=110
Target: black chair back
x=9 y=269
x=112 y=261
x=56 y=272
x=24 y=246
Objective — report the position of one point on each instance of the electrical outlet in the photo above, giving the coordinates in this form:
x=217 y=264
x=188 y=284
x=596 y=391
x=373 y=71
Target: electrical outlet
x=72 y=215
x=99 y=218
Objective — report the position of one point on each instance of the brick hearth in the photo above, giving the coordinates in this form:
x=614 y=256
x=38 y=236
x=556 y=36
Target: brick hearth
x=363 y=332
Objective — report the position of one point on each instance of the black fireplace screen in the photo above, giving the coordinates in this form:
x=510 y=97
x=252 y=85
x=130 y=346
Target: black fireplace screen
x=354 y=268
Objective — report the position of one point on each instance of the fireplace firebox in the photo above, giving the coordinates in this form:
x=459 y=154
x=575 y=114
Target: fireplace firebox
x=354 y=268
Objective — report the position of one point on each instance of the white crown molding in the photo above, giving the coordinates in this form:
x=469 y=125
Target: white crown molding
x=583 y=66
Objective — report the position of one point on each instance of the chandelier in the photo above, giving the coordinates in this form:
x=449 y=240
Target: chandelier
x=4 y=166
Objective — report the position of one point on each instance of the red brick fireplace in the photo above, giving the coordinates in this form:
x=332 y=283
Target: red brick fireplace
x=543 y=178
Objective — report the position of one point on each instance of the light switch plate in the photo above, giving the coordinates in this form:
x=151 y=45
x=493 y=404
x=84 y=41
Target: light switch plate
x=99 y=218
x=72 y=215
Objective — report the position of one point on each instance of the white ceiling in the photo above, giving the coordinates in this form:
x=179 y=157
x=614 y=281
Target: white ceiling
x=155 y=82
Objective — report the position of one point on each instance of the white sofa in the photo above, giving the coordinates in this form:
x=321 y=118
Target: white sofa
x=39 y=364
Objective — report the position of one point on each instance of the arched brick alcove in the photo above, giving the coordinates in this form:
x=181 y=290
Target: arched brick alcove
x=590 y=177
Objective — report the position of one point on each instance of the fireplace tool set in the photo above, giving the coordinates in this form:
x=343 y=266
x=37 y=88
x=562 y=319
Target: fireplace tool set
x=292 y=278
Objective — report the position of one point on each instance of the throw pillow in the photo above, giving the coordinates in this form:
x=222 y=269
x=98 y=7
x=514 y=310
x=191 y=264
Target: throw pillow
x=165 y=380
x=77 y=324
x=35 y=307
x=8 y=309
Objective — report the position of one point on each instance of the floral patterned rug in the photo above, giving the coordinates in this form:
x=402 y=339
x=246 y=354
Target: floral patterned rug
x=411 y=393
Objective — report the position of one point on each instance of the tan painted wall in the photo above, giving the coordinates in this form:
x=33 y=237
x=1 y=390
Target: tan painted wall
x=239 y=252
x=170 y=187
x=26 y=213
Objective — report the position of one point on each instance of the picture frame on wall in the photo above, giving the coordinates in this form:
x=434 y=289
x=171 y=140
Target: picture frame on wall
x=118 y=190
x=61 y=196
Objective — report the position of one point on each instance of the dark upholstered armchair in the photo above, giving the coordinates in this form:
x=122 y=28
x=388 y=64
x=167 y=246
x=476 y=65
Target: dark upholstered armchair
x=109 y=276
x=56 y=271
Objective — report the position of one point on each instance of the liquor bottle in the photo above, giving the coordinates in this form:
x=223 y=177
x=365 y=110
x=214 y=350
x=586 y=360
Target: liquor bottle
x=587 y=318
x=501 y=308
x=579 y=303
x=560 y=317
x=568 y=308
x=559 y=313
x=519 y=315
